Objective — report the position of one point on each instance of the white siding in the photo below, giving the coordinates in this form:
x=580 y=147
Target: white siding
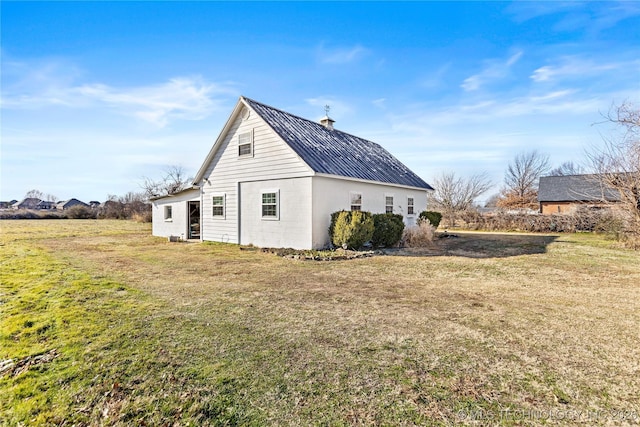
x=291 y=229
x=179 y=223
x=272 y=159
x=333 y=194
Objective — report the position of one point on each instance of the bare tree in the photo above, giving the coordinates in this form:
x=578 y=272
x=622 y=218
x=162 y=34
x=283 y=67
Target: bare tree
x=521 y=180
x=454 y=195
x=173 y=181
x=34 y=194
x=51 y=198
x=567 y=168
x=130 y=206
x=617 y=162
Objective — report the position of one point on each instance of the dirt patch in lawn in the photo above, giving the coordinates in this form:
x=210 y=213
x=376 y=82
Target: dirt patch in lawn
x=480 y=245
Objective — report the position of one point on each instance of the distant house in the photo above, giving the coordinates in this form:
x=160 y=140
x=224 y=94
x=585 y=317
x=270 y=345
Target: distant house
x=273 y=179
x=94 y=204
x=45 y=205
x=28 y=203
x=7 y=205
x=66 y=204
x=562 y=194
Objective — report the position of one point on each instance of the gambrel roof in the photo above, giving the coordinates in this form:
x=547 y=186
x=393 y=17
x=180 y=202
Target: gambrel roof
x=574 y=188
x=330 y=151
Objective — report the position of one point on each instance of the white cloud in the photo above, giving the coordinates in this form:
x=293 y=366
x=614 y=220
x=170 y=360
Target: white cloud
x=514 y=58
x=563 y=102
x=493 y=70
x=45 y=85
x=342 y=55
x=471 y=83
x=575 y=67
x=571 y=16
x=179 y=98
x=525 y=11
x=436 y=79
x=380 y=102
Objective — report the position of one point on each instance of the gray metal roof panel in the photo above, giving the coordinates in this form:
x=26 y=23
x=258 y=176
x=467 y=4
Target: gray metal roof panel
x=570 y=188
x=333 y=152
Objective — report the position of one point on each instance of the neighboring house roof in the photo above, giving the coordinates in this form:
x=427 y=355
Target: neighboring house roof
x=329 y=151
x=28 y=203
x=574 y=188
x=65 y=204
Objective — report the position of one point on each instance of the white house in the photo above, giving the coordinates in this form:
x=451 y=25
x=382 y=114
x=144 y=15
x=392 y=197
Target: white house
x=272 y=179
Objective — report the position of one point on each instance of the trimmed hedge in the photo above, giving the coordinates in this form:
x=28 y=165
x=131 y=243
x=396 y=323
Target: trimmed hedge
x=583 y=219
x=388 y=229
x=351 y=229
x=433 y=217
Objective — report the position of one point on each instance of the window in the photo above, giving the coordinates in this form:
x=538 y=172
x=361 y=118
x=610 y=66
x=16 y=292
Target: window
x=168 y=214
x=356 y=201
x=218 y=206
x=270 y=205
x=410 y=206
x=245 y=144
x=388 y=204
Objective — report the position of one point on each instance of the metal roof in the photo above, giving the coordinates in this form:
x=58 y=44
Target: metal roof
x=574 y=188
x=332 y=152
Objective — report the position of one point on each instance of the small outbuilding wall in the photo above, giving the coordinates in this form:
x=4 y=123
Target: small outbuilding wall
x=170 y=214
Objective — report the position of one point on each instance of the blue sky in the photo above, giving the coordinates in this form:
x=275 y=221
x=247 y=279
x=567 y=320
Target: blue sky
x=96 y=95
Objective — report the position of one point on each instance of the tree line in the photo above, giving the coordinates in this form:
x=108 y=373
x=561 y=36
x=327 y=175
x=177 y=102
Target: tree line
x=614 y=165
x=134 y=205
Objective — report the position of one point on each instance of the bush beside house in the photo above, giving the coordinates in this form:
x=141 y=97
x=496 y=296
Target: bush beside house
x=388 y=229
x=351 y=229
x=433 y=217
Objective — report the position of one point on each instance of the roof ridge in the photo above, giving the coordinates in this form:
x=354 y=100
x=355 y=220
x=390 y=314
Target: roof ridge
x=309 y=120
x=566 y=176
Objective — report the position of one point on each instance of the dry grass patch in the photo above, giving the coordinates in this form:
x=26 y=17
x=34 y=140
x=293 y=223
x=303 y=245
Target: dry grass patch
x=470 y=327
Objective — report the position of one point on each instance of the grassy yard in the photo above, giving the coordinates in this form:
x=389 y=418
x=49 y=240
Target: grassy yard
x=106 y=325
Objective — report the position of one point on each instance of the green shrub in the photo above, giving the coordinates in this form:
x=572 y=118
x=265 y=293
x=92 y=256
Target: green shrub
x=332 y=226
x=351 y=229
x=433 y=217
x=388 y=229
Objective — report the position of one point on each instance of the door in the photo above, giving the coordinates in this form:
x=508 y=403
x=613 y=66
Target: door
x=194 y=220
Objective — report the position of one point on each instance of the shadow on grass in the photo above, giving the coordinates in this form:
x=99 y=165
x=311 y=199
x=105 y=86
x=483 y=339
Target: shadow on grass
x=480 y=245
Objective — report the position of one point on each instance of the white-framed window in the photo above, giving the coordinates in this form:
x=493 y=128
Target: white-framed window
x=410 y=206
x=245 y=144
x=388 y=203
x=168 y=213
x=356 y=201
x=271 y=204
x=218 y=203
